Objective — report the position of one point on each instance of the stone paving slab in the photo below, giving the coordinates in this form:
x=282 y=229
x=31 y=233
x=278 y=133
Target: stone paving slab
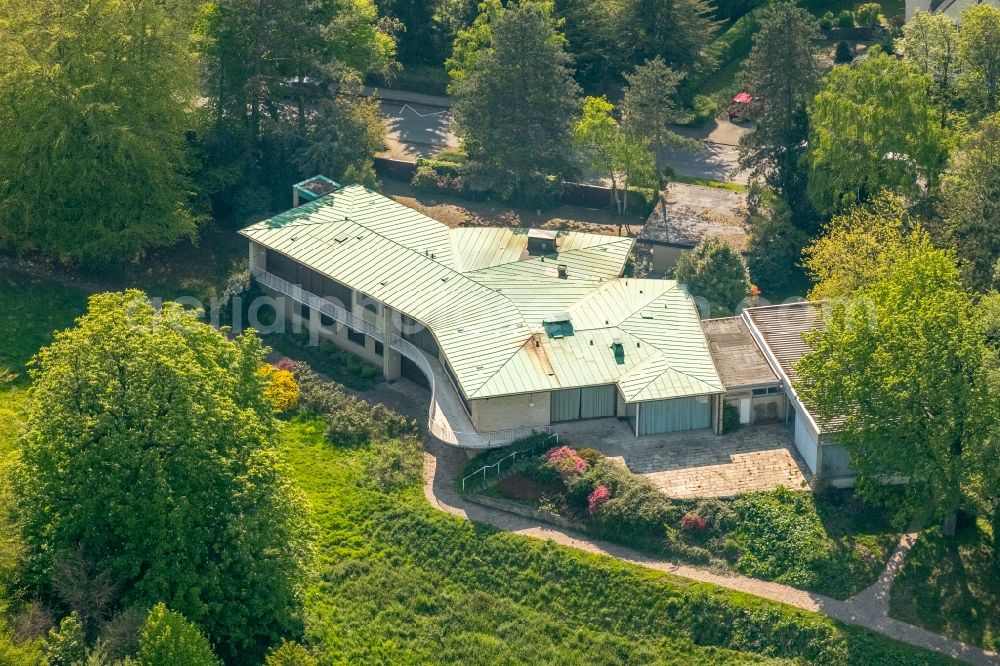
x=700 y=463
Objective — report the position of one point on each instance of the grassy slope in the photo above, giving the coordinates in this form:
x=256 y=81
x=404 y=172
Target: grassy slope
x=950 y=586
x=400 y=582
x=29 y=312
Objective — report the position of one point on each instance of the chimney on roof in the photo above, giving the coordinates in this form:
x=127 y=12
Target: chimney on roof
x=563 y=271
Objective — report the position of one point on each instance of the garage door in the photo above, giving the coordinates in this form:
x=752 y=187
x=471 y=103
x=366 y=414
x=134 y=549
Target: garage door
x=593 y=402
x=675 y=415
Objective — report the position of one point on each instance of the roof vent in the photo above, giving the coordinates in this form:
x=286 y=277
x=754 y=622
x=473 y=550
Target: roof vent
x=563 y=271
x=618 y=349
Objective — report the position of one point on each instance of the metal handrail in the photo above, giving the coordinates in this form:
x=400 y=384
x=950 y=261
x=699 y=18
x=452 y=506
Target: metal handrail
x=438 y=429
x=512 y=457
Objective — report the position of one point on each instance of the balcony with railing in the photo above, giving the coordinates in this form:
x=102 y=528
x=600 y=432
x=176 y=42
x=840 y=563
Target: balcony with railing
x=447 y=419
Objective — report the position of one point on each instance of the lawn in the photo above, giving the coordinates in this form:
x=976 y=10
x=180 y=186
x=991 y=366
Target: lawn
x=30 y=310
x=951 y=586
x=399 y=582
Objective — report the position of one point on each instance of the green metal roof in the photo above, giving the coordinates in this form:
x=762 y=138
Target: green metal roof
x=485 y=299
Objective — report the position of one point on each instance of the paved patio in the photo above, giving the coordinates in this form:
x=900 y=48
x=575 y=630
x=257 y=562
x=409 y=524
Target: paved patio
x=698 y=463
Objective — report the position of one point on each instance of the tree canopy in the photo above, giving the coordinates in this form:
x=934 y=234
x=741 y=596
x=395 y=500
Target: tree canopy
x=149 y=458
x=970 y=203
x=773 y=151
x=515 y=108
x=979 y=49
x=855 y=246
x=96 y=103
x=931 y=42
x=168 y=639
x=715 y=272
x=873 y=126
x=898 y=367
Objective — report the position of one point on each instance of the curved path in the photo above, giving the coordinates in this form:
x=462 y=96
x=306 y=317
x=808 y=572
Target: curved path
x=867 y=609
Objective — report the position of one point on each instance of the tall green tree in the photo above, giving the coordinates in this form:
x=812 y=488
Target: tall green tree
x=931 y=42
x=774 y=247
x=715 y=272
x=269 y=63
x=900 y=364
x=651 y=109
x=591 y=28
x=985 y=473
x=150 y=450
x=97 y=96
x=854 y=247
x=168 y=639
x=873 y=126
x=970 y=203
x=773 y=152
x=979 y=50
x=343 y=135
x=610 y=151
x=514 y=110
x=677 y=31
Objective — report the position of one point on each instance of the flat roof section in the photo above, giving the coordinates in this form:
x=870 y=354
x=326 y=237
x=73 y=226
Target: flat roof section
x=740 y=362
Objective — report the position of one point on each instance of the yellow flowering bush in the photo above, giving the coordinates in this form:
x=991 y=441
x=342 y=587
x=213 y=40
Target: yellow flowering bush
x=282 y=389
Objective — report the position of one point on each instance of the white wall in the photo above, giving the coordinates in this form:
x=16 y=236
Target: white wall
x=806 y=441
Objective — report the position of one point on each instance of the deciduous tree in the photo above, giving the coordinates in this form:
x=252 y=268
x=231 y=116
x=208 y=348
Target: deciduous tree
x=900 y=364
x=873 y=126
x=168 y=639
x=931 y=42
x=979 y=49
x=611 y=151
x=96 y=105
x=854 y=247
x=971 y=203
x=150 y=450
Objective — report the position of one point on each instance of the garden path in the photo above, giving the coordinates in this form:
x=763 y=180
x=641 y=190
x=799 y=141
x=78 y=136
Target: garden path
x=442 y=465
x=868 y=609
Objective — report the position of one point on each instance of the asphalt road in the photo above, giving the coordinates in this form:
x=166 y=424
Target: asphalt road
x=416 y=128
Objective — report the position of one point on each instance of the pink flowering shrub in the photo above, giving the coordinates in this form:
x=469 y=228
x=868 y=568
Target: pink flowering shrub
x=597 y=499
x=566 y=461
x=692 y=521
x=285 y=363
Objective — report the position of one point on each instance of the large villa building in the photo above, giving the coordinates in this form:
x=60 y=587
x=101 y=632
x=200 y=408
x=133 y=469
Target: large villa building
x=515 y=330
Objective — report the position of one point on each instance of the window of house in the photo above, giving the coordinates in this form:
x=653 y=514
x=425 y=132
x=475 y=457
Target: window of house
x=356 y=337
x=379 y=348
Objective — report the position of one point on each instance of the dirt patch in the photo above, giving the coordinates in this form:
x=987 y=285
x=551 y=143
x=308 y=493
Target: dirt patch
x=459 y=213
x=519 y=487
